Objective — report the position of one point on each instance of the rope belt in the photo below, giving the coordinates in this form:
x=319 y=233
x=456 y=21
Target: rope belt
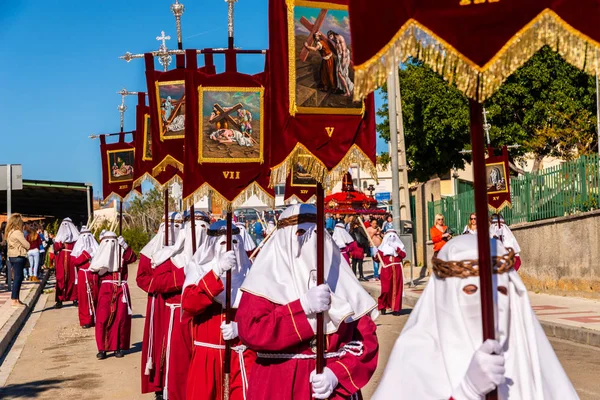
x=238 y=349
x=149 y=361
x=356 y=348
x=125 y=298
x=90 y=296
x=173 y=307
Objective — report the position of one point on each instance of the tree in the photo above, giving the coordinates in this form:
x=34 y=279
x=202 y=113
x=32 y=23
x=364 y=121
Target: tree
x=548 y=107
x=436 y=122
x=147 y=211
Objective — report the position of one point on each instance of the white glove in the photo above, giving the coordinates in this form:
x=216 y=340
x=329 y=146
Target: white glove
x=323 y=384
x=225 y=263
x=122 y=242
x=317 y=299
x=229 y=331
x=484 y=374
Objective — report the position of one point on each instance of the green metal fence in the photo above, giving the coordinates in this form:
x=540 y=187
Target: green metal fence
x=565 y=189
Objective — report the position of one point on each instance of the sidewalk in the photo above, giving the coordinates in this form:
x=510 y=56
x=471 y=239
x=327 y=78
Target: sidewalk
x=570 y=318
x=11 y=319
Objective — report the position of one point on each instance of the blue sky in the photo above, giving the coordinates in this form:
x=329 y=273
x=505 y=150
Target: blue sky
x=61 y=82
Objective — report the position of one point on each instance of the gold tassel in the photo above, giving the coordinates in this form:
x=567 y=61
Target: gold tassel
x=417 y=41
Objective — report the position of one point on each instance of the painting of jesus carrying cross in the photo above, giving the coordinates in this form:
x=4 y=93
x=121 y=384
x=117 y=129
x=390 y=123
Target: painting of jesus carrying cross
x=321 y=74
x=171 y=105
x=231 y=124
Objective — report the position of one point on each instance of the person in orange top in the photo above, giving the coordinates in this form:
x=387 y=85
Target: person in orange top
x=439 y=234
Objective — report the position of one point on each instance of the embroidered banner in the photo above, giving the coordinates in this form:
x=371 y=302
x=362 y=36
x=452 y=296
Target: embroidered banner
x=228 y=135
x=314 y=113
x=118 y=160
x=300 y=186
x=498 y=180
x=143 y=143
x=449 y=36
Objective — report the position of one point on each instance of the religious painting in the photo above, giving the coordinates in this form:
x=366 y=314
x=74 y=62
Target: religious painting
x=320 y=47
x=230 y=124
x=120 y=165
x=170 y=96
x=302 y=178
x=147 y=156
x=497 y=181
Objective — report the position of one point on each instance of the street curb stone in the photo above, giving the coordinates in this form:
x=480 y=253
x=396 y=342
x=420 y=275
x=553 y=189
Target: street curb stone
x=16 y=321
x=552 y=329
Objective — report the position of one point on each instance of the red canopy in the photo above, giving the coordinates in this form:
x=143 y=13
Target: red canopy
x=462 y=40
x=351 y=201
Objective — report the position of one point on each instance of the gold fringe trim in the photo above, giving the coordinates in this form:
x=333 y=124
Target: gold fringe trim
x=146 y=178
x=505 y=204
x=229 y=205
x=113 y=196
x=162 y=166
x=317 y=169
x=312 y=199
x=416 y=40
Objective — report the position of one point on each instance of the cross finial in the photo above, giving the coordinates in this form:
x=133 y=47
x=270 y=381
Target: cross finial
x=486 y=126
x=122 y=107
x=164 y=58
x=163 y=38
x=230 y=4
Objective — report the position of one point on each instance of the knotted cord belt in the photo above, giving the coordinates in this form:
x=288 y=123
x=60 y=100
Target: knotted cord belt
x=90 y=296
x=125 y=298
x=173 y=307
x=238 y=349
x=356 y=348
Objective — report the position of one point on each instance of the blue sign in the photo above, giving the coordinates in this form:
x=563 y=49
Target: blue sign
x=385 y=196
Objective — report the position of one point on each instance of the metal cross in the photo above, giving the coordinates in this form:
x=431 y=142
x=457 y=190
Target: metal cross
x=230 y=4
x=122 y=107
x=486 y=126
x=164 y=58
x=177 y=9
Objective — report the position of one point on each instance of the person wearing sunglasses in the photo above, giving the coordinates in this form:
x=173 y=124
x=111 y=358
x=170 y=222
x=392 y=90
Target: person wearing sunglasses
x=439 y=234
x=471 y=227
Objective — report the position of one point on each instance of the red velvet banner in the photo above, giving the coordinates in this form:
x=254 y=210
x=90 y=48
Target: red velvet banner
x=118 y=160
x=498 y=180
x=229 y=135
x=313 y=111
x=143 y=142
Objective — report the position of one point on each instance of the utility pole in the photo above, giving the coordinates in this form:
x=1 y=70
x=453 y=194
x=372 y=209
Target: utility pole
x=393 y=148
x=405 y=212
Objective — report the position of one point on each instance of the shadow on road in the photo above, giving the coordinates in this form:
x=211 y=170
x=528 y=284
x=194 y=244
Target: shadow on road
x=137 y=347
x=31 y=389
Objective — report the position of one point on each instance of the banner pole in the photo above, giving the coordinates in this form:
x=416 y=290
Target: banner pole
x=227 y=359
x=320 y=273
x=193 y=227
x=166 y=215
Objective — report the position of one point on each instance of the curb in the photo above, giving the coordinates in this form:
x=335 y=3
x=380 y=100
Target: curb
x=579 y=335
x=16 y=321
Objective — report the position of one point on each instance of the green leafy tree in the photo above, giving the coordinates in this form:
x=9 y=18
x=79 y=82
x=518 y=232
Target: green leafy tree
x=436 y=122
x=146 y=212
x=548 y=107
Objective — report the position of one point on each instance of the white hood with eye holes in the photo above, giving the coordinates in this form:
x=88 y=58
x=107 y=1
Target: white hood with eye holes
x=208 y=255
x=433 y=352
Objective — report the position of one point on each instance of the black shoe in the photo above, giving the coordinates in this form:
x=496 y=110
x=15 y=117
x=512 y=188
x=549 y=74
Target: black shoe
x=101 y=355
x=383 y=312
x=119 y=354
x=158 y=395
x=362 y=279
x=75 y=303
x=58 y=304
x=87 y=326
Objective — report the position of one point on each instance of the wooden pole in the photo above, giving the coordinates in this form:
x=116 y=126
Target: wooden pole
x=166 y=216
x=120 y=234
x=320 y=273
x=193 y=227
x=227 y=359
x=483 y=240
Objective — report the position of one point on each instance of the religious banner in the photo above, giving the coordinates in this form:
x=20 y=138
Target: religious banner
x=118 y=160
x=498 y=180
x=449 y=36
x=143 y=143
x=318 y=124
x=228 y=137
x=300 y=186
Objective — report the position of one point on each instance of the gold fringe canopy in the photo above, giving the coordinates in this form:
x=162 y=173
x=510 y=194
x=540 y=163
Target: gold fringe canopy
x=113 y=196
x=416 y=40
x=227 y=205
x=317 y=169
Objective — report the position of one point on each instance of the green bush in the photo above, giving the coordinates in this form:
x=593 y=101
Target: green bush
x=136 y=238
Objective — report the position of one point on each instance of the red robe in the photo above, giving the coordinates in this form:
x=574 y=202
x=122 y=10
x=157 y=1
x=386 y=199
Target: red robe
x=113 y=319
x=205 y=378
x=66 y=273
x=87 y=289
x=176 y=344
x=268 y=327
x=392 y=282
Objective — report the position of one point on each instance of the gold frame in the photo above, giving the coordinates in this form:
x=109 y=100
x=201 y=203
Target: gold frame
x=292 y=173
x=261 y=91
x=108 y=153
x=506 y=176
x=146 y=130
x=291 y=4
x=160 y=121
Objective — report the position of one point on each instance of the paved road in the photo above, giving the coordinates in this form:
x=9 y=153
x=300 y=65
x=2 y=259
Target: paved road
x=54 y=358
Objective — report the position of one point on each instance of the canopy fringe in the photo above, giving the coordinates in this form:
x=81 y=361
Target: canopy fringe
x=226 y=204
